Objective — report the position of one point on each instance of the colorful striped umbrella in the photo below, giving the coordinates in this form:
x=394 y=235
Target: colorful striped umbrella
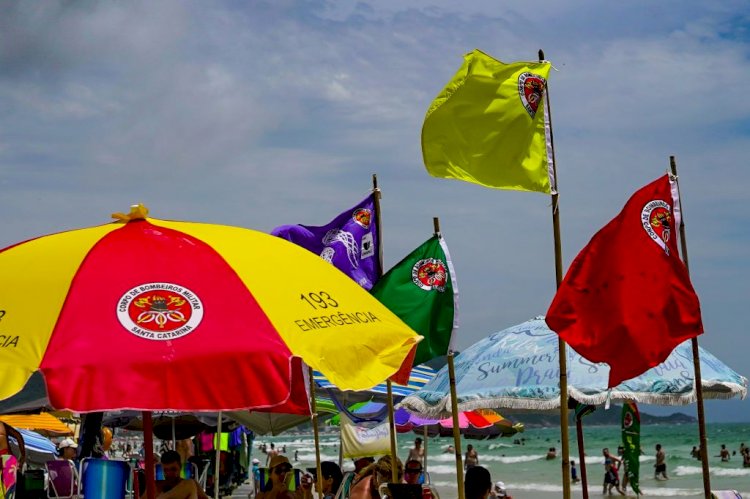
x=480 y=423
x=44 y=423
x=151 y=314
x=418 y=377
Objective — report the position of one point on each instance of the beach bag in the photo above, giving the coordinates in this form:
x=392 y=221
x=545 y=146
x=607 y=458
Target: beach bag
x=10 y=474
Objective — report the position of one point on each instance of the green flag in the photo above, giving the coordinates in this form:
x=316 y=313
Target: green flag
x=421 y=290
x=631 y=443
x=490 y=126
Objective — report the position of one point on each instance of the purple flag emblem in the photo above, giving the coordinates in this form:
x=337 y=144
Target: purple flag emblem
x=349 y=242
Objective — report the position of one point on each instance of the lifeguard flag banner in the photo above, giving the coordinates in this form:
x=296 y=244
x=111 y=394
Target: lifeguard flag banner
x=349 y=242
x=490 y=126
x=627 y=299
x=421 y=290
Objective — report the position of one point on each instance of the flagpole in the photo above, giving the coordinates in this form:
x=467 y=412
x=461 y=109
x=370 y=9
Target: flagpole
x=388 y=383
x=698 y=382
x=559 y=278
x=217 y=467
x=316 y=435
x=454 y=404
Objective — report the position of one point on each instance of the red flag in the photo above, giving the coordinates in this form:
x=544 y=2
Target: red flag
x=627 y=299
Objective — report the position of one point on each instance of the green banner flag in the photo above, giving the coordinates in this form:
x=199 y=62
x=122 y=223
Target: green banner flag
x=421 y=290
x=631 y=443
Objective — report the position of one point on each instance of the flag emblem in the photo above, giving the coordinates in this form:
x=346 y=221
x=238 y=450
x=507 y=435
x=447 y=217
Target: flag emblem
x=656 y=218
x=627 y=420
x=531 y=90
x=160 y=311
x=430 y=274
x=362 y=217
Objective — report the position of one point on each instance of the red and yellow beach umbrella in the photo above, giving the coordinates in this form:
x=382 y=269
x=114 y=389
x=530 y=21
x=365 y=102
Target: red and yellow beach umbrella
x=150 y=314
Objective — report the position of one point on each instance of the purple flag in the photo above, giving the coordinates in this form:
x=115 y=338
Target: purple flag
x=349 y=242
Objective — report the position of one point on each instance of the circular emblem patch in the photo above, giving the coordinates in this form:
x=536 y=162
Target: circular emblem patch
x=160 y=311
x=627 y=421
x=429 y=274
x=656 y=218
x=362 y=217
x=531 y=90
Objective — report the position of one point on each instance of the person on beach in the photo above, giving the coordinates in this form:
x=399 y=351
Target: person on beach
x=551 y=453
x=270 y=454
x=174 y=487
x=574 y=472
x=412 y=471
x=499 y=491
x=746 y=457
x=332 y=478
x=478 y=483
x=68 y=449
x=449 y=450
x=611 y=479
x=625 y=478
x=660 y=468
x=281 y=476
x=695 y=453
x=368 y=481
x=724 y=454
x=471 y=459
x=416 y=453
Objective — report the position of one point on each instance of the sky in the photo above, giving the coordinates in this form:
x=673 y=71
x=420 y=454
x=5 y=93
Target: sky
x=259 y=114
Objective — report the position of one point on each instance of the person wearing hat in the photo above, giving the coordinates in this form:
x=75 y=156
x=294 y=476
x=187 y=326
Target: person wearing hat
x=68 y=449
x=499 y=490
x=416 y=453
x=281 y=476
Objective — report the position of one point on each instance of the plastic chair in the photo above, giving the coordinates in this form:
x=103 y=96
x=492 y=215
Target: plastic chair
x=189 y=470
x=63 y=479
x=103 y=479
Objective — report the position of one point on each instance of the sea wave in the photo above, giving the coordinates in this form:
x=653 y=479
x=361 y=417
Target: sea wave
x=697 y=470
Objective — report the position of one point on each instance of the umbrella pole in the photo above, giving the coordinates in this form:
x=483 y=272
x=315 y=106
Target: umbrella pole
x=316 y=435
x=424 y=432
x=174 y=438
x=392 y=433
x=698 y=381
x=456 y=429
x=559 y=277
x=218 y=458
x=582 y=458
x=148 y=446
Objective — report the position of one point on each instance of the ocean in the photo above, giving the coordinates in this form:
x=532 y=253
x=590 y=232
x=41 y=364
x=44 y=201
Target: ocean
x=527 y=474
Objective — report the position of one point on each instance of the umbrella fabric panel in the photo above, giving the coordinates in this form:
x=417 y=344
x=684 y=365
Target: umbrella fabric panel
x=34 y=304
x=519 y=368
x=43 y=422
x=96 y=311
x=309 y=308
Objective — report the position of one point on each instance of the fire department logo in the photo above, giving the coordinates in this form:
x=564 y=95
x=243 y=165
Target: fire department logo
x=362 y=217
x=160 y=311
x=430 y=274
x=531 y=90
x=656 y=218
x=627 y=421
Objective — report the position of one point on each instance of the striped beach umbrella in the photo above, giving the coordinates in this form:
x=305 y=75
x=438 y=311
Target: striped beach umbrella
x=418 y=377
x=152 y=314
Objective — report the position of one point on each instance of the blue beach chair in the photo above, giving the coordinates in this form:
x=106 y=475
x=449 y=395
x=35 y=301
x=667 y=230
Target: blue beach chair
x=104 y=479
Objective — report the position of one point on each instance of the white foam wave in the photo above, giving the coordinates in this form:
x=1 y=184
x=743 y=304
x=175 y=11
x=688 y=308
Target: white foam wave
x=730 y=471
x=500 y=446
x=442 y=469
x=310 y=458
x=671 y=492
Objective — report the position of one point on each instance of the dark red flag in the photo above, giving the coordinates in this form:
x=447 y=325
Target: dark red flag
x=627 y=299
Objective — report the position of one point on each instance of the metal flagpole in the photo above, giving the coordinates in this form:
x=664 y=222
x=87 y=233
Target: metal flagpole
x=697 y=383
x=218 y=458
x=316 y=435
x=559 y=277
x=388 y=383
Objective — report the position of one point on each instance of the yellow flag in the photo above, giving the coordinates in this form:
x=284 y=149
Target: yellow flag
x=490 y=126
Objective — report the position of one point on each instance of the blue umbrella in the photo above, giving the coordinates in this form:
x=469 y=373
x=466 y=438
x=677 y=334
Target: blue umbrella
x=39 y=449
x=518 y=368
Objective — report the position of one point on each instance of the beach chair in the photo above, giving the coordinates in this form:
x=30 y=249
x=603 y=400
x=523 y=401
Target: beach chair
x=189 y=470
x=63 y=479
x=346 y=485
x=103 y=479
